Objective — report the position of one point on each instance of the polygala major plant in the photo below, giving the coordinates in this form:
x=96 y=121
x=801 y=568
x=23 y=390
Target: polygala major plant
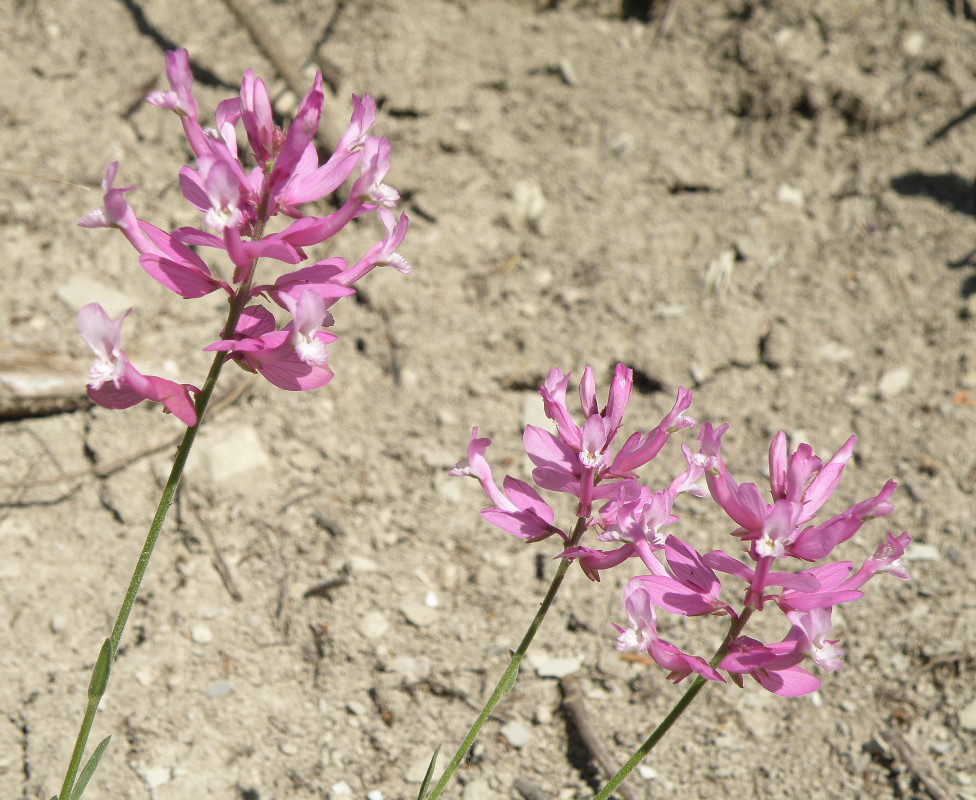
x=771 y=534
x=778 y=559
x=237 y=190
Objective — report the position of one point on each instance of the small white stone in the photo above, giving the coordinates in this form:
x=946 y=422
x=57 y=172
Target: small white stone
x=517 y=733
x=340 y=789
x=356 y=708
x=201 y=634
x=894 y=382
x=542 y=715
x=79 y=291
x=431 y=599
x=361 y=564
x=967 y=717
x=374 y=794
x=418 y=614
x=59 y=623
x=374 y=625
x=558 y=667
x=913 y=43
x=922 y=552
x=412 y=669
x=790 y=194
x=646 y=772
x=157 y=776
x=218 y=689
x=288 y=748
x=477 y=789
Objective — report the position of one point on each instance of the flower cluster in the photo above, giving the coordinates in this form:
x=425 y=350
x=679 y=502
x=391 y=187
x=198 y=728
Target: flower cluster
x=579 y=460
x=237 y=194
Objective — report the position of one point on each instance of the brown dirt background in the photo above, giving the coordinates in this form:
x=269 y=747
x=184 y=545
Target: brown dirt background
x=763 y=205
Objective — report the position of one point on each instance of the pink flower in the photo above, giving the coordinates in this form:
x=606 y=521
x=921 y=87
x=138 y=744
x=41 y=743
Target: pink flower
x=774 y=667
x=578 y=458
x=642 y=635
x=690 y=588
x=112 y=380
x=293 y=358
x=518 y=509
x=800 y=485
x=237 y=202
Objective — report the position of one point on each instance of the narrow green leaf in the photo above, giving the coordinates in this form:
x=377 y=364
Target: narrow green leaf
x=99 y=678
x=509 y=678
x=430 y=774
x=89 y=768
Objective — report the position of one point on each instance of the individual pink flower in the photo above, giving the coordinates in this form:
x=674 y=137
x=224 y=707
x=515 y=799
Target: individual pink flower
x=577 y=459
x=810 y=630
x=800 y=484
x=774 y=667
x=293 y=358
x=690 y=587
x=642 y=635
x=636 y=518
x=112 y=380
x=518 y=509
x=383 y=253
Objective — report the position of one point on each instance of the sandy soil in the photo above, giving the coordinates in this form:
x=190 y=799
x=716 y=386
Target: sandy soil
x=767 y=205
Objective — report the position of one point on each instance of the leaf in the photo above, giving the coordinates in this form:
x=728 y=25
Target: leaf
x=511 y=676
x=89 y=770
x=429 y=775
x=99 y=678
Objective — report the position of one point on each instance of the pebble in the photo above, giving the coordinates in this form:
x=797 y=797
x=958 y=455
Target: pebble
x=530 y=202
x=201 y=634
x=374 y=625
x=918 y=551
x=340 y=789
x=517 y=733
x=288 y=748
x=967 y=717
x=558 y=667
x=79 y=291
x=566 y=72
x=157 y=776
x=412 y=669
x=59 y=623
x=542 y=715
x=913 y=43
x=834 y=351
x=374 y=794
x=791 y=195
x=360 y=564
x=418 y=614
x=451 y=489
x=218 y=689
x=477 y=789
x=894 y=382
x=229 y=456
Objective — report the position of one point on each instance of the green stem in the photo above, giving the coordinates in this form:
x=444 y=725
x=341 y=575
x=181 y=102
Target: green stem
x=511 y=672
x=734 y=630
x=165 y=501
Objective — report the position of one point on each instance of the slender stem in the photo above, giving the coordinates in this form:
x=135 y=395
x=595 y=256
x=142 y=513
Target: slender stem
x=165 y=501
x=79 y=749
x=510 y=675
x=665 y=725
